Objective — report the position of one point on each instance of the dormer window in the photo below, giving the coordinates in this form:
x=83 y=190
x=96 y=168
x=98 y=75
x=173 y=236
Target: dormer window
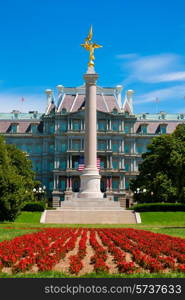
x=143 y=128
x=64 y=110
x=181 y=116
x=162 y=128
x=115 y=111
x=14 y=128
x=33 y=128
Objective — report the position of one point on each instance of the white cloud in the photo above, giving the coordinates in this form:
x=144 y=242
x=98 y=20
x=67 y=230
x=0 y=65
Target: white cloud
x=173 y=76
x=154 y=68
x=175 y=92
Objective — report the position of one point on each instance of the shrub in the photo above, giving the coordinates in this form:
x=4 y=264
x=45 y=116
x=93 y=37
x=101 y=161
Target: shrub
x=158 y=207
x=33 y=206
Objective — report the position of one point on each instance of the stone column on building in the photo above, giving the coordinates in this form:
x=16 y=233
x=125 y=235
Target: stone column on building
x=110 y=161
x=90 y=179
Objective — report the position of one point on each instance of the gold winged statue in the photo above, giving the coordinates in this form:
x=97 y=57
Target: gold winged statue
x=90 y=46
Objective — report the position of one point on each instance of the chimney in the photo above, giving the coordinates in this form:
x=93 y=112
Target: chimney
x=49 y=95
x=119 y=89
x=130 y=98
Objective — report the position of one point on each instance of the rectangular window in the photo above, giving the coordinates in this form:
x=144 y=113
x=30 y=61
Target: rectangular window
x=115 y=164
x=63 y=164
x=51 y=166
x=51 y=128
x=63 y=185
x=143 y=129
x=162 y=129
x=127 y=128
x=38 y=148
x=115 y=146
x=28 y=148
x=14 y=128
x=115 y=184
x=127 y=148
x=76 y=125
x=33 y=128
x=63 y=147
x=75 y=164
x=51 y=185
x=76 y=145
x=102 y=164
x=139 y=148
x=51 y=148
x=102 y=125
x=127 y=166
x=37 y=166
x=115 y=125
x=102 y=145
x=63 y=126
x=126 y=185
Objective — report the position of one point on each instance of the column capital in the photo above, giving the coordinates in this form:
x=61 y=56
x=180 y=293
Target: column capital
x=90 y=78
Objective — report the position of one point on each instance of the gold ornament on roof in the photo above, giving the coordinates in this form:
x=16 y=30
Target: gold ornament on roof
x=90 y=46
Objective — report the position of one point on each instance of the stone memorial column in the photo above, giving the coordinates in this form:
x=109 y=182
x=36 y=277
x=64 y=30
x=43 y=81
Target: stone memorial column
x=90 y=179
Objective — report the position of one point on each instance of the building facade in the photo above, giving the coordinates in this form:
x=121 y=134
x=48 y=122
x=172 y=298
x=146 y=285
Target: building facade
x=54 y=140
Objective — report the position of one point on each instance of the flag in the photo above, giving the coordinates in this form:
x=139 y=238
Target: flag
x=81 y=164
x=98 y=163
x=22 y=100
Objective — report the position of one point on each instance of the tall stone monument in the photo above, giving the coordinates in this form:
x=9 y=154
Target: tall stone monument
x=90 y=179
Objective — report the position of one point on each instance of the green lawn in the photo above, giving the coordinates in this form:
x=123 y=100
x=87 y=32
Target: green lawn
x=172 y=223
x=52 y=274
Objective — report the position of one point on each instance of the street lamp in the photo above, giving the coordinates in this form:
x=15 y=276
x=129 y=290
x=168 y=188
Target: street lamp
x=39 y=192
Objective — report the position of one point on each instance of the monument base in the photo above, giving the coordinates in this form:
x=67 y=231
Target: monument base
x=90 y=184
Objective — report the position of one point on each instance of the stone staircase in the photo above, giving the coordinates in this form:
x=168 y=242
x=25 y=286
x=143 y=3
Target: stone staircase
x=90 y=211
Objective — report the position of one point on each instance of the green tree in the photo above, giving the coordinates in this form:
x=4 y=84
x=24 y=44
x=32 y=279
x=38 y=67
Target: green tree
x=23 y=167
x=16 y=181
x=162 y=172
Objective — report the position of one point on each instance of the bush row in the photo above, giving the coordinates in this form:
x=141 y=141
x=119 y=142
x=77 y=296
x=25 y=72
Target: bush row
x=33 y=206
x=159 y=207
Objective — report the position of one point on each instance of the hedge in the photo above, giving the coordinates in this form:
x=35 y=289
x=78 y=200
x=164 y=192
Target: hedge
x=158 y=207
x=33 y=206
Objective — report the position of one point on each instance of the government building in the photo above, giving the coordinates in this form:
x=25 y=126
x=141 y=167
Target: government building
x=54 y=140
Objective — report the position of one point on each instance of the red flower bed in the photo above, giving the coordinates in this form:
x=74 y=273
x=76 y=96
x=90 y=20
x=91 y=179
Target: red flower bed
x=126 y=250
x=76 y=260
x=100 y=254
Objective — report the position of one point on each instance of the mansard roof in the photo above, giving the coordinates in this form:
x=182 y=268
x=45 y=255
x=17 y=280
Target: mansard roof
x=74 y=102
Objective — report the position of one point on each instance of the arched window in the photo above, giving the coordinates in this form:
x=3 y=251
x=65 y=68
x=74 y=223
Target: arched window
x=115 y=111
x=64 y=110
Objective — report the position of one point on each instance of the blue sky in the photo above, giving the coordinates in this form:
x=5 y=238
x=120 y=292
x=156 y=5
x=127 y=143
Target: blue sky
x=143 y=49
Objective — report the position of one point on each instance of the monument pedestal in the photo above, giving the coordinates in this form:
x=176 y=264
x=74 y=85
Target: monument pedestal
x=90 y=184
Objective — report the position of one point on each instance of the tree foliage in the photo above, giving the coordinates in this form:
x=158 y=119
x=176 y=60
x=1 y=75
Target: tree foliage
x=162 y=172
x=16 y=180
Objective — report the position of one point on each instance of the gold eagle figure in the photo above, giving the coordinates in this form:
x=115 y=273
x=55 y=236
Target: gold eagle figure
x=90 y=46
